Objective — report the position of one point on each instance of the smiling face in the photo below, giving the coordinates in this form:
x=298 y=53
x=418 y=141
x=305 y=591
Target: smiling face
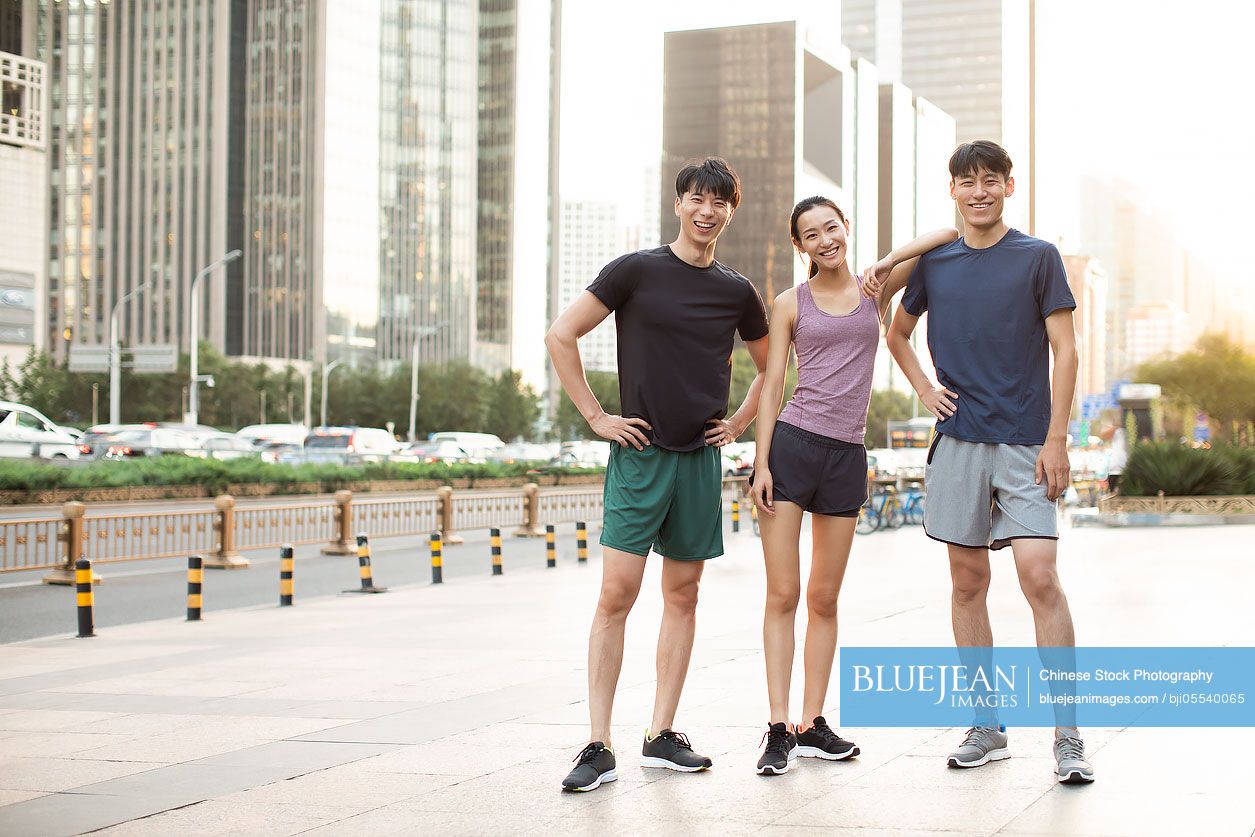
x=980 y=196
x=822 y=236
x=703 y=216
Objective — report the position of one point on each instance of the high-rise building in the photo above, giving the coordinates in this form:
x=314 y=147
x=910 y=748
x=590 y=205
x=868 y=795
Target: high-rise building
x=140 y=161
x=793 y=118
x=969 y=57
x=519 y=61
x=24 y=207
x=590 y=240
x=1157 y=329
x=1088 y=283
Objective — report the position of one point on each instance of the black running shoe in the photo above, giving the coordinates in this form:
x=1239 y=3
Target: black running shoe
x=820 y=742
x=596 y=765
x=672 y=750
x=780 y=752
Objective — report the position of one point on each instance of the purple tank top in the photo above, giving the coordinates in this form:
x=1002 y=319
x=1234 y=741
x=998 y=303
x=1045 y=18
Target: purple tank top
x=835 y=359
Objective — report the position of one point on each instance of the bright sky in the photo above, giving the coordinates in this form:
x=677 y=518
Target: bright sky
x=1155 y=92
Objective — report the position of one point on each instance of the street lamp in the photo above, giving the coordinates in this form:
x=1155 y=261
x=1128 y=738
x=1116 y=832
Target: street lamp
x=419 y=334
x=326 y=373
x=115 y=356
x=193 y=398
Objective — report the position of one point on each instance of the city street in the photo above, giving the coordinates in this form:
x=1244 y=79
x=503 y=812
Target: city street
x=456 y=709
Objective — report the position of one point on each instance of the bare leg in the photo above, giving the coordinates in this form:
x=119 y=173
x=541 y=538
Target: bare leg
x=675 y=638
x=621 y=574
x=1052 y=619
x=780 y=536
x=969 y=611
x=831 y=538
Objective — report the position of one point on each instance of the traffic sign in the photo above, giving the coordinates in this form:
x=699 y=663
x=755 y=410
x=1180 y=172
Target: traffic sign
x=85 y=358
x=154 y=358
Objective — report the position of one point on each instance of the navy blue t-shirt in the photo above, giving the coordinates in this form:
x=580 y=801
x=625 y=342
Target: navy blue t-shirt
x=987 y=333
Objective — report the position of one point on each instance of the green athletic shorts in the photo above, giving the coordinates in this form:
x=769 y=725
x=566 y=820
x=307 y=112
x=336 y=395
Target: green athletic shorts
x=668 y=500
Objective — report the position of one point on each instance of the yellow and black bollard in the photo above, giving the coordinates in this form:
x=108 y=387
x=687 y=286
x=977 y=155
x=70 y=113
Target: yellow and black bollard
x=83 y=588
x=551 y=554
x=363 y=567
x=286 y=565
x=581 y=541
x=496 y=551
x=736 y=515
x=437 y=559
x=195 y=575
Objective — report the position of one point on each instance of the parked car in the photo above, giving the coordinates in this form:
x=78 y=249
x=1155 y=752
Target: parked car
x=447 y=452
x=258 y=434
x=475 y=444
x=523 y=452
x=199 y=432
x=132 y=443
x=582 y=454
x=223 y=446
x=280 y=452
x=349 y=444
x=26 y=432
x=738 y=459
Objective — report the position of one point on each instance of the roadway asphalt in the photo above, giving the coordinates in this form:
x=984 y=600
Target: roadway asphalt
x=139 y=591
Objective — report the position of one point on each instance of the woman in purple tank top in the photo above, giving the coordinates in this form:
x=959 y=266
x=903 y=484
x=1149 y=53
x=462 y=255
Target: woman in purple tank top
x=810 y=458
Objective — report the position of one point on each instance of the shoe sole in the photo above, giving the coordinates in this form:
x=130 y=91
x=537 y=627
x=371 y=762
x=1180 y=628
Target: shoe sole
x=655 y=761
x=775 y=771
x=1075 y=777
x=608 y=776
x=993 y=755
x=816 y=753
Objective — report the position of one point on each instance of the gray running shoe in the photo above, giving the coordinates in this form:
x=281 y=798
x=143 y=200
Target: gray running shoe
x=981 y=746
x=1072 y=768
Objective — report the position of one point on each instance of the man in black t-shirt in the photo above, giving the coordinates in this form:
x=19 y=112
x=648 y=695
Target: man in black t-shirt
x=678 y=312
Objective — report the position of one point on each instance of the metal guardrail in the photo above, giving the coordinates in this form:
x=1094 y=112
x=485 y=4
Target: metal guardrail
x=220 y=533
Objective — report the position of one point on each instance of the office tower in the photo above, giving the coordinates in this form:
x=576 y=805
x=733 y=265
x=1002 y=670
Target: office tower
x=1155 y=330
x=972 y=58
x=794 y=118
x=590 y=240
x=516 y=269
x=1088 y=282
x=24 y=207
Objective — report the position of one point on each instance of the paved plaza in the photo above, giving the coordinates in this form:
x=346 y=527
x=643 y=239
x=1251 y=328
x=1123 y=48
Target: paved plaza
x=457 y=709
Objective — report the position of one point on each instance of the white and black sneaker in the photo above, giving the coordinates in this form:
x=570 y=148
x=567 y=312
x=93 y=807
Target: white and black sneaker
x=820 y=742
x=781 y=750
x=595 y=765
x=672 y=750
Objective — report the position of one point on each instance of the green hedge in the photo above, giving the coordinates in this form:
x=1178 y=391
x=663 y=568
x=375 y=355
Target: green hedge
x=1180 y=471
x=217 y=475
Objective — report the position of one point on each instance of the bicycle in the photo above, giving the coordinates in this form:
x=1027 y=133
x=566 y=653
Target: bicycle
x=883 y=510
x=913 y=507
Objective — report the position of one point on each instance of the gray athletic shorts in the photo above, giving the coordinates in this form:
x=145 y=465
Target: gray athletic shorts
x=984 y=495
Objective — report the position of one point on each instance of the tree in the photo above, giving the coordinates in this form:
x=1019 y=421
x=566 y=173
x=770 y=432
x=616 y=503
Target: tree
x=569 y=424
x=513 y=408
x=1216 y=377
x=886 y=405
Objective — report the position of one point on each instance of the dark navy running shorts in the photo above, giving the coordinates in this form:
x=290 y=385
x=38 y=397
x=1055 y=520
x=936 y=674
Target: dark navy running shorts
x=820 y=474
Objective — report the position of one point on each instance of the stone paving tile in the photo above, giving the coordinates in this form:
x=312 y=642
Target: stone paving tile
x=299 y=755
x=67 y=814
x=926 y=807
x=56 y=743
x=53 y=720
x=8 y=797
x=51 y=775
x=235 y=817
x=395 y=820
x=1095 y=810
x=353 y=710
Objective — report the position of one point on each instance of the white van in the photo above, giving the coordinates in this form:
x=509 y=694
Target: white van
x=290 y=434
x=479 y=445
x=26 y=432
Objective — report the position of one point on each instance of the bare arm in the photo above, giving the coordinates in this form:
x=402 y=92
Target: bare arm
x=876 y=277
x=779 y=340
x=938 y=400
x=1052 y=462
x=562 y=341
x=720 y=432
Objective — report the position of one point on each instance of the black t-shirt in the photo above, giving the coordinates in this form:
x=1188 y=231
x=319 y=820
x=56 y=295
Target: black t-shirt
x=676 y=327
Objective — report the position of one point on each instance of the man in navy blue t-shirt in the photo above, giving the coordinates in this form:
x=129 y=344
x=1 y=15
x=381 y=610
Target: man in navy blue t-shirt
x=999 y=303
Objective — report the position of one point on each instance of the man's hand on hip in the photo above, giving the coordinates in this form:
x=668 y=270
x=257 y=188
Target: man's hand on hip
x=625 y=431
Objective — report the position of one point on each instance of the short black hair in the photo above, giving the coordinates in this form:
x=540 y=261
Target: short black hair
x=971 y=157
x=712 y=175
